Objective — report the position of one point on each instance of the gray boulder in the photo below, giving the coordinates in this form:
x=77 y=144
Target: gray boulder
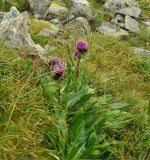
x=56 y=11
x=39 y=7
x=131 y=25
x=78 y=26
x=14 y=31
x=111 y=30
x=81 y=8
x=14 y=28
x=130 y=11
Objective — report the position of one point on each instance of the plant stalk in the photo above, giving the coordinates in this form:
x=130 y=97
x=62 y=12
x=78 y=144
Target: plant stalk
x=147 y=154
x=77 y=67
x=59 y=94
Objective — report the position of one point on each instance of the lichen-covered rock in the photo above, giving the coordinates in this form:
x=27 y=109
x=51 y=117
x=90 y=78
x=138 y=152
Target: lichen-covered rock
x=14 y=30
x=81 y=8
x=78 y=26
x=56 y=11
x=111 y=30
x=39 y=7
x=131 y=24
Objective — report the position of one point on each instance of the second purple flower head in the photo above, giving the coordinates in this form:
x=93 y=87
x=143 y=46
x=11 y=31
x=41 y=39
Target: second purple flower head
x=81 y=47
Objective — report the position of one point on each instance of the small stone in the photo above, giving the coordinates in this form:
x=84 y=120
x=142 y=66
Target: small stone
x=119 y=18
x=81 y=8
x=111 y=30
x=141 y=51
x=131 y=24
x=130 y=11
x=121 y=25
x=78 y=26
x=46 y=32
x=55 y=11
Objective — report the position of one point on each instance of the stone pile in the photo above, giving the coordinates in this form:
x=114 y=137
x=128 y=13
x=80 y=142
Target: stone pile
x=125 y=15
x=76 y=19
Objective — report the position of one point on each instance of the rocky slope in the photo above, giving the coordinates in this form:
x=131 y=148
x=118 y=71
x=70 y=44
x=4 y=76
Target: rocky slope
x=77 y=19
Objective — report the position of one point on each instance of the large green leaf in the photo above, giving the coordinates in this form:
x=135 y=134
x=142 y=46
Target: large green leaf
x=119 y=105
x=80 y=95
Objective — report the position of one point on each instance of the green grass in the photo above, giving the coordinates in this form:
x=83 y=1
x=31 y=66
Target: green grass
x=23 y=110
x=117 y=76
x=6 y=4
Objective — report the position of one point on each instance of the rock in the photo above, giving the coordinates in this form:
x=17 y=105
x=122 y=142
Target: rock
x=140 y=51
x=36 y=49
x=121 y=25
x=56 y=22
x=119 y=21
x=78 y=26
x=130 y=11
x=81 y=8
x=56 y=11
x=39 y=7
x=131 y=24
x=14 y=31
x=13 y=13
x=71 y=17
x=119 y=18
x=46 y=32
x=112 y=30
x=114 y=5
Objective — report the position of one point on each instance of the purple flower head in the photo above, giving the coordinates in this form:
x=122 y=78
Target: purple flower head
x=54 y=60
x=82 y=46
x=58 y=69
x=76 y=53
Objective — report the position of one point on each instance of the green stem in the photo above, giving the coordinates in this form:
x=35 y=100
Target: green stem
x=77 y=67
x=147 y=154
x=59 y=93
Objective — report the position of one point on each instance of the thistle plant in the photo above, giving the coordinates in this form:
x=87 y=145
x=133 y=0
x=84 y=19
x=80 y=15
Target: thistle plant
x=81 y=48
x=58 y=70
